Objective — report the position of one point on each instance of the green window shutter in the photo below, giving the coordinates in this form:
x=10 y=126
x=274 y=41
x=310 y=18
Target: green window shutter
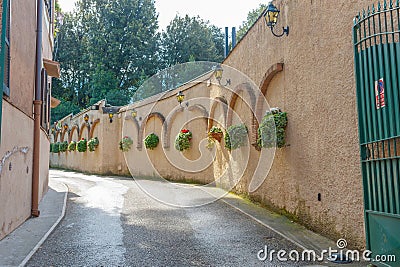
x=5 y=42
x=5 y=53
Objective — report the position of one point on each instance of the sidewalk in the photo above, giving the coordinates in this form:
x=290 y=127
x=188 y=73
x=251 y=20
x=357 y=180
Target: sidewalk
x=17 y=248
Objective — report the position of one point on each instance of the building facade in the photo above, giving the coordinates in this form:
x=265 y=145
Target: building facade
x=27 y=42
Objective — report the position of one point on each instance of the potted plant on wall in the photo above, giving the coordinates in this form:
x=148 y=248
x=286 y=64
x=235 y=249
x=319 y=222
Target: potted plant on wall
x=272 y=130
x=55 y=147
x=151 y=141
x=63 y=146
x=93 y=143
x=72 y=146
x=182 y=140
x=125 y=144
x=215 y=133
x=82 y=145
x=236 y=136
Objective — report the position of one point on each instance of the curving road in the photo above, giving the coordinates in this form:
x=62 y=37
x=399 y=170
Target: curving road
x=111 y=222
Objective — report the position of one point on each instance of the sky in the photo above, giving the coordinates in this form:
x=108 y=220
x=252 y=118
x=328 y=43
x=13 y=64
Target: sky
x=222 y=13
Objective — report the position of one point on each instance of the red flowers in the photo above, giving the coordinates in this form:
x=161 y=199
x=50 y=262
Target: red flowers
x=185 y=131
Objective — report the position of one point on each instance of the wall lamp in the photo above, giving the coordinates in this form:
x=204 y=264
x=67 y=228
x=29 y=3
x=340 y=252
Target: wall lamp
x=134 y=113
x=271 y=17
x=218 y=75
x=111 y=111
x=65 y=127
x=86 y=118
x=180 y=97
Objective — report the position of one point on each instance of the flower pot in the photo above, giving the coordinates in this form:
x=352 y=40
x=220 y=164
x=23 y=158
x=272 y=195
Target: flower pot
x=216 y=136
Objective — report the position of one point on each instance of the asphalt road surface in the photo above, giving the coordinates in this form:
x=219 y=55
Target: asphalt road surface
x=111 y=222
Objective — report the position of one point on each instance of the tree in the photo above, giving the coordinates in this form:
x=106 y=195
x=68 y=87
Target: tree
x=252 y=17
x=191 y=38
x=105 y=48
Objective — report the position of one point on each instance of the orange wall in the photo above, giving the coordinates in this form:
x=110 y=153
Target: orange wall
x=16 y=147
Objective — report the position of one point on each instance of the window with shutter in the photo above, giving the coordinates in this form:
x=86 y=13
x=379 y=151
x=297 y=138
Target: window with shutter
x=6 y=52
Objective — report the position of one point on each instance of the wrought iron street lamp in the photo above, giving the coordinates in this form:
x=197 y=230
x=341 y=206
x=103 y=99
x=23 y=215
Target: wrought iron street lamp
x=271 y=15
x=218 y=72
x=111 y=111
x=180 y=97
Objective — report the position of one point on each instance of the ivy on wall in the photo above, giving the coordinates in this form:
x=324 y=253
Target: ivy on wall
x=236 y=136
x=272 y=130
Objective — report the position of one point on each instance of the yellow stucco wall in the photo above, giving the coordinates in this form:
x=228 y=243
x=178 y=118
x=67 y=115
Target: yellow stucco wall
x=314 y=84
x=16 y=147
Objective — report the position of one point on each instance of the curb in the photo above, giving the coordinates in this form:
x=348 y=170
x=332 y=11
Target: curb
x=41 y=241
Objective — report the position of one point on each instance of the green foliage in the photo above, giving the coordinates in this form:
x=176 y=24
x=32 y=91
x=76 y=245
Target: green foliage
x=271 y=131
x=63 y=146
x=215 y=129
x=81 y=146
x=215 y=133
x=236 y=136
x=72 y=146
x=104 y=47
x=182 y=140
x=151 y=141
x=107 y=49
x=93 y=143
x=125 y=144
x=55 y=147
x=191 y=38
x=252 y=17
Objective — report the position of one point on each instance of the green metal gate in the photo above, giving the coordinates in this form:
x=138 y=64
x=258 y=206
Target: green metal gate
x=376 y=37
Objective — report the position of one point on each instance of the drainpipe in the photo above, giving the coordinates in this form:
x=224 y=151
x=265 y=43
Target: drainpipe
x=37 y=107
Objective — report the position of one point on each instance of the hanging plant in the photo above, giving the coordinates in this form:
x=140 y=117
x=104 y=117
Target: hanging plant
x=151 y=141
x=125 y=144
x=56 y=147
x=93 y=143
x=81 y=146
x=63 y=146
x=215 y=133
x=272 y=130
x=236 y=136
x=182 y=140
x=72 y=146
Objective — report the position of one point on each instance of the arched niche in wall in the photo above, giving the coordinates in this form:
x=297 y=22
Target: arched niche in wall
x=136 y=123
x=244 y=87
x=216 y=102
x=93 y=127
x=84 y=127
x=265 y=82
x=56 y=136
x=63 y=134
x=74 y=130
x=172 y=116
x=143 y=126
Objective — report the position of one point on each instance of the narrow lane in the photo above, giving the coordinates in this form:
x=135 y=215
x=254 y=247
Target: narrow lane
x=112 y=222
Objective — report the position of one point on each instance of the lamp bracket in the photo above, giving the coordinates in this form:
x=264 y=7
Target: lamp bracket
x=285 y=31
